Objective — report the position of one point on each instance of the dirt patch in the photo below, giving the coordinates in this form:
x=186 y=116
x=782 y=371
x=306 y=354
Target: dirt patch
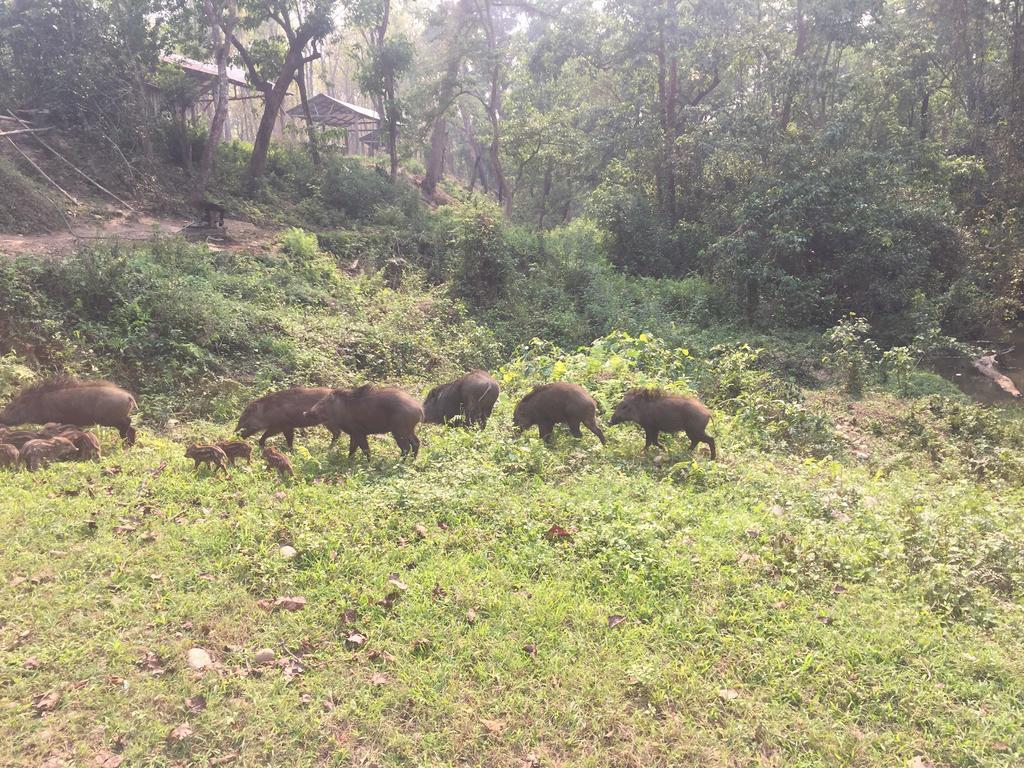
x=111 y=225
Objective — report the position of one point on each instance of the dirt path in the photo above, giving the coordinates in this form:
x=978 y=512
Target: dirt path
x=112 y=225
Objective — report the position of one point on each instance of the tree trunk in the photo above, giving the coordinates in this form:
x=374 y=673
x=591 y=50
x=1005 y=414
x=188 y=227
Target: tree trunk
x=221 y=38
x=439 y=130
x=314 y=144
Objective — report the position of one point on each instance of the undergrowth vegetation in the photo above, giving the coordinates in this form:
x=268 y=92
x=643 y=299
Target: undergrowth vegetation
x=829 y=592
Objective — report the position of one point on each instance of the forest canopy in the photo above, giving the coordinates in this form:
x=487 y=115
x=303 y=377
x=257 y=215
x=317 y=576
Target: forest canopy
x=806 y=157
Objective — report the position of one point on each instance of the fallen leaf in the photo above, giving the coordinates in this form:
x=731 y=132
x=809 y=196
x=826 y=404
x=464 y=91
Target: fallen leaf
x=379 y=678
x=531 y=650
x=825 y=619
x=291 y=668
x=148 y=538
x=196 y=703
x=16 y=581
x=389 y=600
x=280 y=495
x=31 y=663
x=749 y=560
x=493 y=726
x=380 y=656
x=296 y=603
x=107 y=759
x=438 y=593
x=728 y=694
x=223 y=759
x=46 y=702
x=919 y=761
x=397 y=583
x=421 y=645
x=753 y=533
x=471 y=616
x=349 y=616
x=530 y=761
x=328 y=705
x=557 y=532
x=354 y=641
x=181 y=733
x=421 y=530
x=124 y=528
x=153 y=663
x=614 y=620
x=838 y=589
x=1000 y=746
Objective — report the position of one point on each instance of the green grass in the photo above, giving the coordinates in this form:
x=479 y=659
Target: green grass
x=864 y=611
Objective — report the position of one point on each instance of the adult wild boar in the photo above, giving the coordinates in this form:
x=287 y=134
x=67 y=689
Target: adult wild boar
x=282 y=413
x=473 y=397
x=69 y=401
x=658 y=411
x=558 y=403
x=369 y=410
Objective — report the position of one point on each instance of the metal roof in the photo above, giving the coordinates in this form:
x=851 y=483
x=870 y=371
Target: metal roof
x=331 y=111
x=205 y=69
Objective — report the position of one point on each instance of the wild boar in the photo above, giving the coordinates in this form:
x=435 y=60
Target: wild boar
x=558 y=403
x=9 y=455
x=52 y=429
x=18 y=437
x=282 y=413
x=67 y=400
x=236 y=449
x=37 y=452
x=658 y=411
x=210 y=455
x=369 y=410
x=472 y=397
x=86 y=443
x=278 y=461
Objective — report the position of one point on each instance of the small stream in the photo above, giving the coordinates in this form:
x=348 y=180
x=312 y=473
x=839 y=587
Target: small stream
x=981 y=388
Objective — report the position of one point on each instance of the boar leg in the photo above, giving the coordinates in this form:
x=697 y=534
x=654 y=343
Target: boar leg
x=574 y=428
x=365 y=445
x=353 y=445
x=415 y=445
x=126 y=431
x=403 y=443
x=545 y=428
x=289 y=436
x=704 y=438
x=334 y=436
x=266 y=434
x=591 y=424
x=652 y=439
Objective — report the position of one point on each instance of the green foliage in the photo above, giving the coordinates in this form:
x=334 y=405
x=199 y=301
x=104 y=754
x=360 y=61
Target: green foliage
x=853 y=354
x=195 y=332
x=24 y=208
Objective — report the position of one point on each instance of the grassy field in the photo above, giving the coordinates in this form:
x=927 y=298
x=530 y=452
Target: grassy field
x=858 y=608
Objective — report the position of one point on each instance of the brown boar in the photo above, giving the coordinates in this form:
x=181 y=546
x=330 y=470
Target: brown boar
x=18 y=437
x=369 y=410
x=53 y=429
x=67 y=400
x=282 y=413
x=210 y=455
x=9 y=455
x=86 y=443
x=472 y=397
x=236 y=449
x=658 y=411
x=38 y=452
x=558 y=403
x=278 y=461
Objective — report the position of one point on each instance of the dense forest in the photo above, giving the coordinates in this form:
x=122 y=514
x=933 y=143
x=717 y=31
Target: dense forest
x=794 y=161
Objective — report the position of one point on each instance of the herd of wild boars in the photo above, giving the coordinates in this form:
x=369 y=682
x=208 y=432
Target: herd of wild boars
x=34 y=448
x=66 y=405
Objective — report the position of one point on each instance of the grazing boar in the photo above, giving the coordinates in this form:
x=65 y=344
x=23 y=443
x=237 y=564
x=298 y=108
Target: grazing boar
x=67 y=400
x=210 y=455
x=236 y=449
x=558 y=403
x=9 y=455
x=658 y=411
x=370 y=410
x=278 y=461
x=86 y=443
x=282 y=413
x=37 y=452
x=473 y=397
